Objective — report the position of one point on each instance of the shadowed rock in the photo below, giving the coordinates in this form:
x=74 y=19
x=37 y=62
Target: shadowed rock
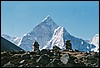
x=44 y=59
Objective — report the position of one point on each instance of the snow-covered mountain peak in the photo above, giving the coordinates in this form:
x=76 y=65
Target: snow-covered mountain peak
x=42 y=33
x=47 y=22
x=46 y=18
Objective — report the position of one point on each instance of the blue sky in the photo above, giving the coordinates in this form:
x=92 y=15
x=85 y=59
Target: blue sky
x=80 y=18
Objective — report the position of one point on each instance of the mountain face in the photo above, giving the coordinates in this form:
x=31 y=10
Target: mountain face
x=14 y=40
x=42 y=33
x=95 y=41
x=8 y=46
x=61 y=35
x=49 y=34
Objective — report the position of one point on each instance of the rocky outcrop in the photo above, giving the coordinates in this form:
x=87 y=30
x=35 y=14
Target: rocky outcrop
x=49 y=58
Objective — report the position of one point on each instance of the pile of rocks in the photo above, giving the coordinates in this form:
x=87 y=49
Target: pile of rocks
x=49 y=58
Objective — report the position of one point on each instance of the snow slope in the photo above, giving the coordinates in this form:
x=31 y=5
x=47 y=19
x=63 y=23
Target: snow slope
x=95 y=41
x=61 y=35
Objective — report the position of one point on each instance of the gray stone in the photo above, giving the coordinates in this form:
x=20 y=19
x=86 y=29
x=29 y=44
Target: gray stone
x=44 y=59
x=21 y=62
x=64 y=59
x=9 y=64
x=25 y=56
x=53 y=63
x=43 y=51
x=20 y=65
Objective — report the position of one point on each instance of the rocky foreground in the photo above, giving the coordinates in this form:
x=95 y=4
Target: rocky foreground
x=49 y=58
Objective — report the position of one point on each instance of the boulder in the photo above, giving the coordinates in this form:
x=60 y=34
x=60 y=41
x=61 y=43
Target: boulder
x=64 y=59
x=20 y=65
x=16 y=56
x=56 y=48
x=35 y=57
x=9 y=64
x=33 y=53
x=43 y=51
x=25 y=56
x=50 y=53
x=22 y=61
x=44 y=59
x=53 y=63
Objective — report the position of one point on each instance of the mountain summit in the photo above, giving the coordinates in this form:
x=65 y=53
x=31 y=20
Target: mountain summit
x=42 y=33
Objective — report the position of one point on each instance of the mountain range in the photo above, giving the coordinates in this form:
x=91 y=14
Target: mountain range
x=48 y=34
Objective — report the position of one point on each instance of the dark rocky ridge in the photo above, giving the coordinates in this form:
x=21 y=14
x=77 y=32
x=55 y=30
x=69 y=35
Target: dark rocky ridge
x=8 y=46
x=49 y=58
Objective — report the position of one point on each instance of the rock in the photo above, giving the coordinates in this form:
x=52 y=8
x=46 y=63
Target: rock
x=35 y=57
x=9 y=64
x=37 y=66
x=50 y=58
x=80 y=65
x=64 y=59
x=4 y=53
x=43 y=51
x=20 y=65
x=18 y=52
x=22 y=61
x=57 y=53
x=5 y=59
x=53 y=63
x=27 y=65
x=44 y=59
x=28 y=53
x=25 y=56
x=33 y=53
x=76 y=50
x=56 y=48
x=76 y=61
x=16 y=56
x=50 y=53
